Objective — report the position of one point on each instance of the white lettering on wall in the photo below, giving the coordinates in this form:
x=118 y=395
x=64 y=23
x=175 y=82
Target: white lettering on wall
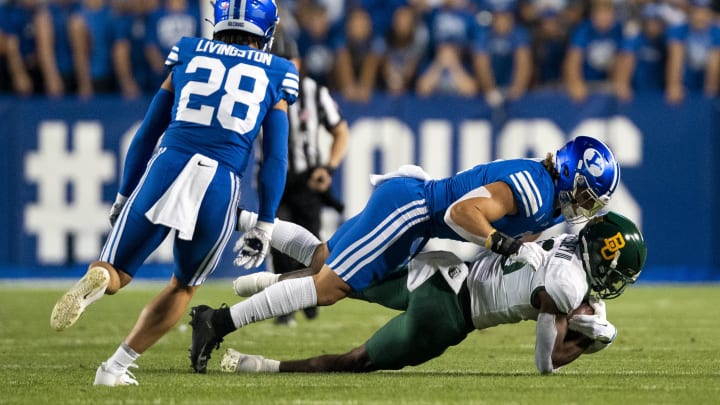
x=391 y=138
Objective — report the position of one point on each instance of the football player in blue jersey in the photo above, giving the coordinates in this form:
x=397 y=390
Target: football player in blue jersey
x=218 y=95
x=492 y=204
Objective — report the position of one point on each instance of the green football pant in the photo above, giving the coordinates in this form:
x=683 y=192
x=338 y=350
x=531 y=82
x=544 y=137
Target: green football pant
x=435 y=318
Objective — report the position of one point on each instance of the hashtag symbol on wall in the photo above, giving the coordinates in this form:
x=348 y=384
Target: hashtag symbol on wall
x=56 y=167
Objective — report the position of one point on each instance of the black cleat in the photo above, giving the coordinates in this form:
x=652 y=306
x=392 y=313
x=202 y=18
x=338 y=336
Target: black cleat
x=311 y=312
x=204 y=337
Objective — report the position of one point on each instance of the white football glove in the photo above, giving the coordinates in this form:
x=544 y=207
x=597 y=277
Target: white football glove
x=530 y=253
x=116 y=208
x=253 y=246
x=594 y=327
x=598 y=306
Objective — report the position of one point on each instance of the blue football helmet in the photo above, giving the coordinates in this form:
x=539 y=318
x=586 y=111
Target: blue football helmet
x=589 y=175
x=257 y=17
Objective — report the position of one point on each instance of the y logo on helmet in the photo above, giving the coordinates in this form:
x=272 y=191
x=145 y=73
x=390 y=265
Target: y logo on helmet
x=612 y=245
x=594 y=162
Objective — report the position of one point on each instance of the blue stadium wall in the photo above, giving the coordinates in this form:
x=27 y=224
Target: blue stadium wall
x=61 y=161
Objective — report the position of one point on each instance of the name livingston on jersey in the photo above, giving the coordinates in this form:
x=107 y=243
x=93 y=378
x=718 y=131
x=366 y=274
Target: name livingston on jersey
x=219 y=48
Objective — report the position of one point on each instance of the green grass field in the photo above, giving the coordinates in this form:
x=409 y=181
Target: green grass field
x=667 y=351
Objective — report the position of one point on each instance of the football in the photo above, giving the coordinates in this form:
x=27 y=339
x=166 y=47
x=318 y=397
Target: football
x=583 y=309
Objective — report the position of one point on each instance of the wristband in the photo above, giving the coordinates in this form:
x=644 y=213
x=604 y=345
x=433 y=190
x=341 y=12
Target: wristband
x=501 y=243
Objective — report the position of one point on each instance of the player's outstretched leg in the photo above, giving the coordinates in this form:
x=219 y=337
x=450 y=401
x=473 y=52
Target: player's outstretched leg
x=205 y=338
x=87 y=290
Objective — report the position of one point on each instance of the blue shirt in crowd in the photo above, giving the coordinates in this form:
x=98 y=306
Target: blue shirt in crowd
x=698 y=44
x=501 y=51
x=650 y=57
x=598 y=49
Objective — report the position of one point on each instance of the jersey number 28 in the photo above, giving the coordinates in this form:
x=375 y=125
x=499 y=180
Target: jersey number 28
x=229 y=80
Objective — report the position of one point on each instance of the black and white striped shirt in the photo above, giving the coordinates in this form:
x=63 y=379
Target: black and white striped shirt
x=314 y=107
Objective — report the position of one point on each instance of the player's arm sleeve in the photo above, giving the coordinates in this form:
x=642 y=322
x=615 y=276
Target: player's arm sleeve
x=545 y=337
x=143 y=143
x=291 y=84
x=551 y=350
x=274 y=167
x=526 y=192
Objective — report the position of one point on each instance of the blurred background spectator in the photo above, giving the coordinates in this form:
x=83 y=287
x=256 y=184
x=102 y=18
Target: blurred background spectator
x=643 y=55
x=58 y=61
x=593 y=47
x=128 y=52
x=693 y=53
x=357 y=57
x=27 y=33
x=91 y=40
x=498 y=48
x=164 y=28
x=314 y=40
x=548 y=44
x=407 y=41
x=452 y=32
x=503 y=64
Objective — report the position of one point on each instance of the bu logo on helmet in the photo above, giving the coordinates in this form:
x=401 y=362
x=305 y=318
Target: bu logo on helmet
x=594 y=162
x=612 y=245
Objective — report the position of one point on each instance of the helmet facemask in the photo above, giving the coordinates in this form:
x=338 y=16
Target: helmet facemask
x=606 y=280
x=581 y=203
x=613 y=254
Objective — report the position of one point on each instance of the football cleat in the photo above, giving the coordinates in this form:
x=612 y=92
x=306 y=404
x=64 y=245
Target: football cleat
x=310 y=312
x=204 y=338
x=235 y=362
x=71 y=305
x=103 y=376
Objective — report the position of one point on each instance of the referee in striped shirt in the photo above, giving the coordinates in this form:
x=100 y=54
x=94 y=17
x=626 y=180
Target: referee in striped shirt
x=308 y=178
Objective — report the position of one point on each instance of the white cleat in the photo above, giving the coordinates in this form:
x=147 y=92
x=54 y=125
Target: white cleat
x=235 y=362
x=246 y=286
x=71 y=305
x=103 y=376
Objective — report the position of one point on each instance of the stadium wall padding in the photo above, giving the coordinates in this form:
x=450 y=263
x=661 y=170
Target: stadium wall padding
x=61 y=161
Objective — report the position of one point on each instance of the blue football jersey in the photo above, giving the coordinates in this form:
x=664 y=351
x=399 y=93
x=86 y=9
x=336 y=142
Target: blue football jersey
x=531 y=184
x=222 y=94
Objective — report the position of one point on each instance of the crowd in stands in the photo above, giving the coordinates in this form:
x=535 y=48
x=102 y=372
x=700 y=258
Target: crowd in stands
x=498 y=49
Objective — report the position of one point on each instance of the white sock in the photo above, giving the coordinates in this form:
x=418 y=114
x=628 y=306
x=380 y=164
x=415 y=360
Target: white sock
x=124 y=356
x=287 y=237
x=258 y=364
x=281 y=298
x=271 y=366
x=294 y=240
